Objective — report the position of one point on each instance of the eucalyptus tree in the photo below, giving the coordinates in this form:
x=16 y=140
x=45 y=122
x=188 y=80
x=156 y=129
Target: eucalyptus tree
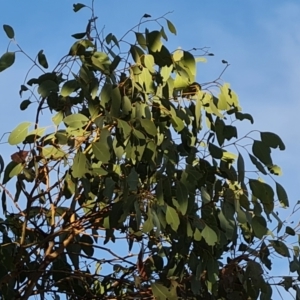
x=139 y=184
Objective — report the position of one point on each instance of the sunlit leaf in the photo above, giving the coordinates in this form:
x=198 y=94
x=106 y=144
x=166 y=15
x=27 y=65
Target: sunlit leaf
x=19 y=134
x=209 y=235
x=172 y=218
x=69 y=87
x=76 y=120
x=141 y=40
x=149 y=126
x=276 y=170
x=171 y=27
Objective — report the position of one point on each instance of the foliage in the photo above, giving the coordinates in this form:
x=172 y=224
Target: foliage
x=137 y=154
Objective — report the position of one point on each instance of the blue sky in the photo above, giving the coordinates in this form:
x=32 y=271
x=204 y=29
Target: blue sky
x=260 y=40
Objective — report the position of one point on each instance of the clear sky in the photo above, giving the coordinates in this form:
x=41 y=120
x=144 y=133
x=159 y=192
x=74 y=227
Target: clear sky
x=260 y=40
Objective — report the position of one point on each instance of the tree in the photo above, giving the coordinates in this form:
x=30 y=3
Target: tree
x=137 y=154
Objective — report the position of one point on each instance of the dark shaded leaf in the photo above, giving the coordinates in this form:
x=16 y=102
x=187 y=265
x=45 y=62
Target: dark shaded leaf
x=42 y=59
x=259 y=226
x=264 y=193
x=46 y=87
x=262 y=152
x=78 y=6
x=258 y=165
x=86 y=243
x=9 y=31
x=241 y=168
x=79 y=36
x=215 y=151
x=7 y=60
x=282 y=195
x=182 y=197
x=272 y=140
x=24 y=104
x=240 y=116
x=133 y=180
x=280 y=248
x=290 y=230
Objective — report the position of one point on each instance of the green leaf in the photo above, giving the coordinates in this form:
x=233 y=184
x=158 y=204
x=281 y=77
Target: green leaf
x=259 y=226
x=141 y=40
x=136 y=53
x=171 y=27
x=46 y=87
x=7 y=60
x=272 y=140
x=280 y=248
x=149 y=127
x=172 y=218
x=86 y=243
x=24 y=104
x=9 y=31
x=282 y=195
x=76 y=120
x=133 y=180
x=209 y=235
x=9 y=169
x=116 y=102
x=78 y=6
x=161 y=292
x=79 y=162
x=42 y=59
x=182 y=197
x=258 y=165
x=241 y=168
x=114 y=63
x=153 y=39
x=53 y=152
x=262 y=152
x=101 y=148
x=149 y=63
x=69 y=87
x=56 y=119
x=19 y=134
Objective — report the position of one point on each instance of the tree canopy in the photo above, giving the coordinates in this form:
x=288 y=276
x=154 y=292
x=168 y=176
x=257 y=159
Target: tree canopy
x=139 y=186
